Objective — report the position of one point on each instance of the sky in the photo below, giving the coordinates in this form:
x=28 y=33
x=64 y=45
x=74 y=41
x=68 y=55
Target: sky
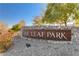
x=12 y=13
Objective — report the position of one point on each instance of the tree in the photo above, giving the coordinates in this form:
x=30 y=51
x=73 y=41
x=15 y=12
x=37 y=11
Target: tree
x=37 y=21
x=77 y=22
x=18 y=26
x=60 y=12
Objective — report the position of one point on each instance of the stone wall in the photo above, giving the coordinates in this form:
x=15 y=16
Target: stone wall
x=63 y=47
x=45 y=47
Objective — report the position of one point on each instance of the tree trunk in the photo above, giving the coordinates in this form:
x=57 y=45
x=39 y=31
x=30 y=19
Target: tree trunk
x=65 y=24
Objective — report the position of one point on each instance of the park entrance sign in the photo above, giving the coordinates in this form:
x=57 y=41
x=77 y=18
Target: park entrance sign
x=47 y=33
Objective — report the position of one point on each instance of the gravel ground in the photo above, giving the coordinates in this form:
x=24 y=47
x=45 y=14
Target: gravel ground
x=45 y=48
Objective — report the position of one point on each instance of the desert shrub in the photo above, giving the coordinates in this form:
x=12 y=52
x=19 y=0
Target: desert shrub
x=6 y=40
x=6 y=37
